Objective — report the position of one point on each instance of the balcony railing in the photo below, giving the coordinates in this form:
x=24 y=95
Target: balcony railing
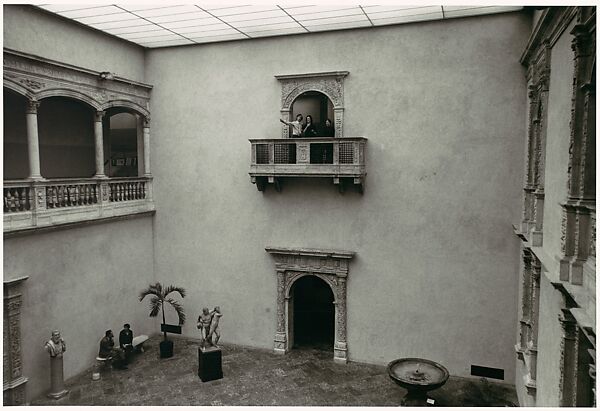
x=43 y=203
x=342 y=159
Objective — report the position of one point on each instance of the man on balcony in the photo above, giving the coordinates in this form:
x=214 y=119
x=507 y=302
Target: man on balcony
x=296 y=125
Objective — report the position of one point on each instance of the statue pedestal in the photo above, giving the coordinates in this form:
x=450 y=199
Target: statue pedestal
x=209 y=364
x=57 y=382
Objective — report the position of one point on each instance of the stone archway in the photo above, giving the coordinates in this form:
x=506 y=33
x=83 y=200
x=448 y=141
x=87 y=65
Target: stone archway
x=331 y=84
x=330 y=266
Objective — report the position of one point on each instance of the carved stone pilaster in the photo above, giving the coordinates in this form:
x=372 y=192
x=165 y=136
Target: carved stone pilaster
x=536 y=274
x=538 y=213
x=341 y=346
x=583 y=66
x=526 y=297
x=330 y=266
x=13 y=381
x=592 y=249
x=568 y=360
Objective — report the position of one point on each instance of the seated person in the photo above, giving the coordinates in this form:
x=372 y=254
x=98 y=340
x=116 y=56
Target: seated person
x=126 y=340
x=108 y=350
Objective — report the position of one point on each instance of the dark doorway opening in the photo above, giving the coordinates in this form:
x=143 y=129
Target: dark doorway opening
x=314 y=314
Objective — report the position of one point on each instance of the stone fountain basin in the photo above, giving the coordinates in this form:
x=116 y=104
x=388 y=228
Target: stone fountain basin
x=401 y=371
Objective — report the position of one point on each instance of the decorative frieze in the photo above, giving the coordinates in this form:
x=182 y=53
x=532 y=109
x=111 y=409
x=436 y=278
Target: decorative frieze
x=330 y=266
x=37 y=78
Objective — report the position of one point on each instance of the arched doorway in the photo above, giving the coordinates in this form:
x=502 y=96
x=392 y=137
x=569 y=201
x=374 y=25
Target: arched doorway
x=311 y=303
x=315 y=104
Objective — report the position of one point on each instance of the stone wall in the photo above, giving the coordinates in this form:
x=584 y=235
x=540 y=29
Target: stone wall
x=82 y=281
x=443 y=106
x=31 y=30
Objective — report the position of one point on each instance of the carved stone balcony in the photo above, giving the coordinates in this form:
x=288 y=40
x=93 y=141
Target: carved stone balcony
x=342 y=159
x=30 y=205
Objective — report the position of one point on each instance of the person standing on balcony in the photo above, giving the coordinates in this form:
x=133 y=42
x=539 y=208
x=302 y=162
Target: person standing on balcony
x=309 y=129
x=327 y=130
x=296 y=125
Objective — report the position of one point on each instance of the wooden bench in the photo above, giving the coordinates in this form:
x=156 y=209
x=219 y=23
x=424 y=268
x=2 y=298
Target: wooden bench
x=138 y=342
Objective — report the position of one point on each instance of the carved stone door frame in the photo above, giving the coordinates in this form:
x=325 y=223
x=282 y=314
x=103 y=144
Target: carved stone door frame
x=329 y=83
x=330 y=266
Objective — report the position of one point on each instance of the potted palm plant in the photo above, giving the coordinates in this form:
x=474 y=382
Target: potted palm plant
x=160 y=296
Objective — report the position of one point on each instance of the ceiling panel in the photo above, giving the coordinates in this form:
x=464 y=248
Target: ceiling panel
x=164 y=25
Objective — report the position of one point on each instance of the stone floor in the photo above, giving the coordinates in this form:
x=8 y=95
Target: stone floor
x=305 y=376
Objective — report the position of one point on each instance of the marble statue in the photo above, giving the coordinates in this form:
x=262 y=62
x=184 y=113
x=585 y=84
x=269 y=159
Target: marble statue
x=208 y=324
x=56 y=347
x=214 y=326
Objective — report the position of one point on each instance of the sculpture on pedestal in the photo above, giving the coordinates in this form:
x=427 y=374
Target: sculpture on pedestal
x=209 y=360
x=56 y=347
x=208 y=324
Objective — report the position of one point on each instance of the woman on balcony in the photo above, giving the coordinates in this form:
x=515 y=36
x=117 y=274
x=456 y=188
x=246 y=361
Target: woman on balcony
x=309 y=129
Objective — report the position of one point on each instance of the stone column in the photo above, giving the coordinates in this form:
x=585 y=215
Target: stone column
x=99 y=144
x=280 y=335
x=14 y=382
x=340 y=349
x=146 y=124
x=33 y=144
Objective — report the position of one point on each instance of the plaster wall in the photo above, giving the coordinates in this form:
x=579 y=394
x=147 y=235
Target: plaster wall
x=31 y=30
x=557 y=140
x=82 y=281
x=442 y=104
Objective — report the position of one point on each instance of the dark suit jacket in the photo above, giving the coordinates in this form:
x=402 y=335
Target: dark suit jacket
x=125 y=337
x=106 y=346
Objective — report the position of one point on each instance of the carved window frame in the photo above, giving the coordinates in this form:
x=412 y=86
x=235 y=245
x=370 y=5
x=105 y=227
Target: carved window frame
x=328 y=265
x=331 y=84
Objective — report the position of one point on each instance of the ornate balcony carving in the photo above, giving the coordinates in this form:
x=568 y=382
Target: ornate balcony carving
x=36 y=204
x=342 y=159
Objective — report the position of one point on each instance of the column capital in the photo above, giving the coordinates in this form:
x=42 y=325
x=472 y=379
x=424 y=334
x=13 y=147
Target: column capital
x=32 y=106
x=98 y=115
x=146 y=121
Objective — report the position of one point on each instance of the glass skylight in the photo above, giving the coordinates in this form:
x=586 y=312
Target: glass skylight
x=153 y=25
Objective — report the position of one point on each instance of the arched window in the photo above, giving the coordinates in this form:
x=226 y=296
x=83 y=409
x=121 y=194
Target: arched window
x=122 y=138
x=66 y=138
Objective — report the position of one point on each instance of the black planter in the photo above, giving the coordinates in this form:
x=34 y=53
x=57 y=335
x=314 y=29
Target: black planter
x=166 y=349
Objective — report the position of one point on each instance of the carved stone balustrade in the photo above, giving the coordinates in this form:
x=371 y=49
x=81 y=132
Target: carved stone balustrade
x=31 y=205
x=342 y=159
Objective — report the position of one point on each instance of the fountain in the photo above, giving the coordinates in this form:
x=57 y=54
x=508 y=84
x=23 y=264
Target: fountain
x=417 y=376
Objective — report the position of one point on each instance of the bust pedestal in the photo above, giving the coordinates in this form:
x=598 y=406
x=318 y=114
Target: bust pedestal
x=209 y=364
x=57 y=382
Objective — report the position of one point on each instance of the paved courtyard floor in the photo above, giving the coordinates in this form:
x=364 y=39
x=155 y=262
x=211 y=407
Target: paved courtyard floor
x=306 y=377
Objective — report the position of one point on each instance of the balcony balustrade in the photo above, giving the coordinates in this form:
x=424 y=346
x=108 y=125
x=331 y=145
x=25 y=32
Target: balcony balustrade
x=342 y=159
x=31 y=204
